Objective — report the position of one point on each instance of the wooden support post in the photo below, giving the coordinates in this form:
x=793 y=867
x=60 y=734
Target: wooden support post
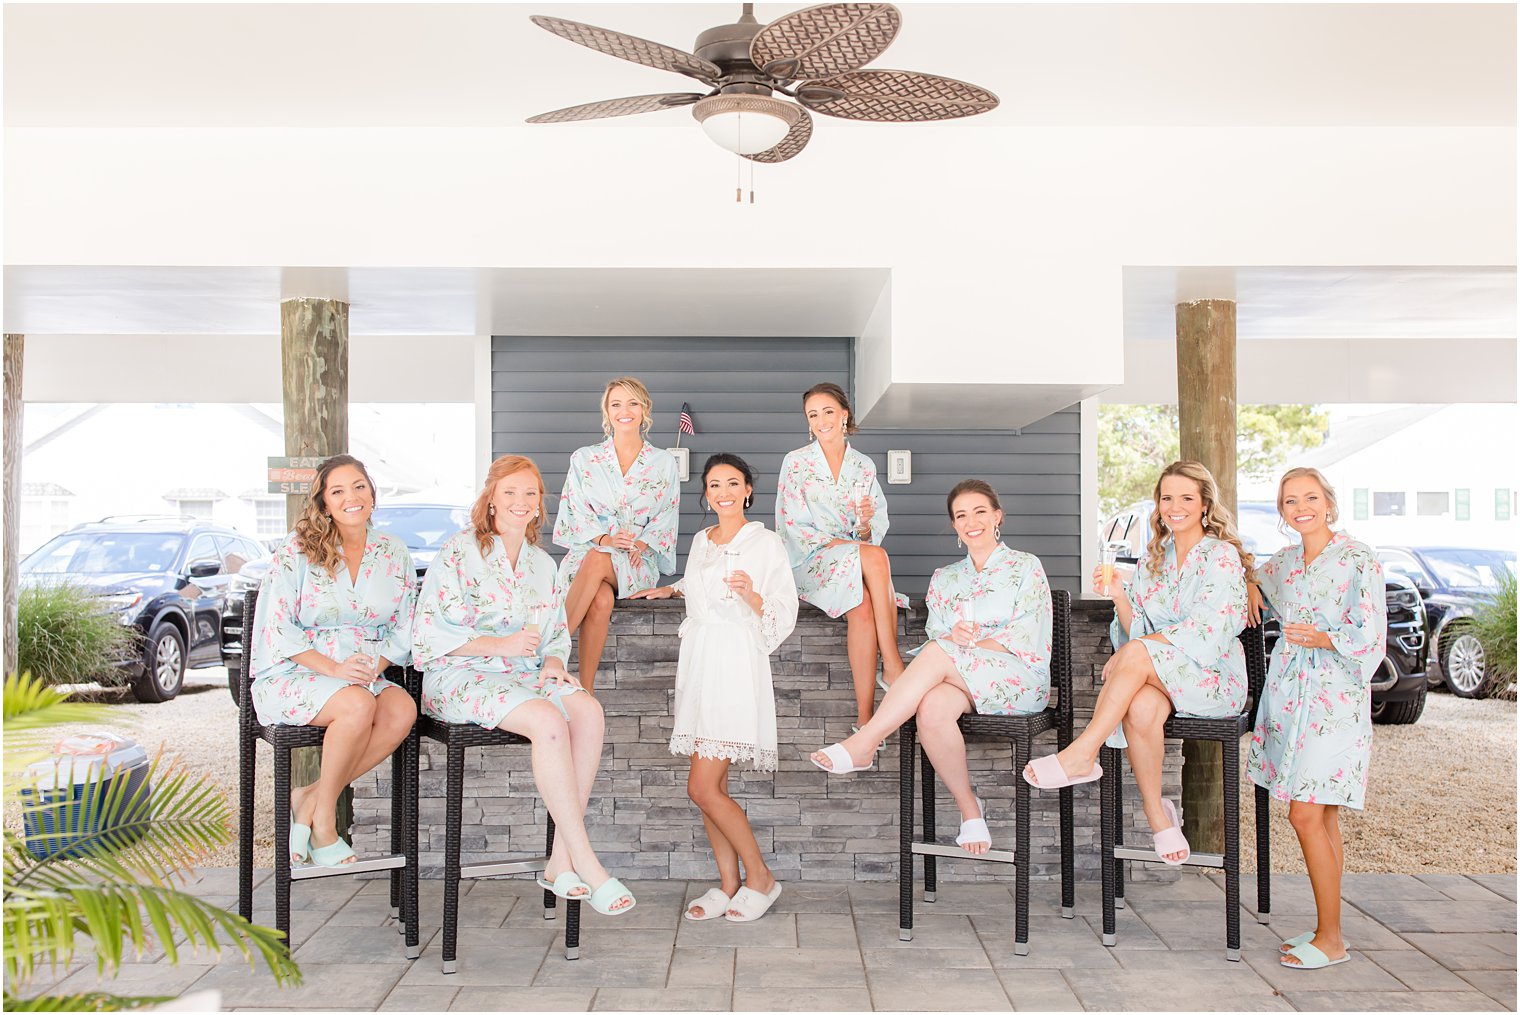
x=314 y=379
x=14 y=347
x=1206 y=419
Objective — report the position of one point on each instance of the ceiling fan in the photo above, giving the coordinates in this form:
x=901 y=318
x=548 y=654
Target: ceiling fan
x=813 y=56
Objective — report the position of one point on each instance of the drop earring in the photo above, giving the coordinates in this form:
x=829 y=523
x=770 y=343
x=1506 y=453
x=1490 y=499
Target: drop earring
x=958 y=545
x=997 y=533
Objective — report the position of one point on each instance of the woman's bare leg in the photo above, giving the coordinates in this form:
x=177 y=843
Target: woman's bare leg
x=394 y=715
x=349 y=717
x=876 y=573
x=587 y=732
x=860 y=645
x=1309 y=821
x=1129 y=674
x=593 y=637
x=940 y=733
x=1144 y=729
x=707 y=781
x=928 y=670
x=708 y=786
x=555 y=775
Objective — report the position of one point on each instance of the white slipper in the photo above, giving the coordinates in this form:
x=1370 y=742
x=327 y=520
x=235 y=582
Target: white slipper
x=843 y=765
x=975 y=830
x=714 y=905
x=751 y=904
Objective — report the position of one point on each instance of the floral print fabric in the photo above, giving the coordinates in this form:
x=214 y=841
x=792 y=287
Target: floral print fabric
x=303 y=607
x=1199 y=605
x=812 y=509
x=1313 y=738
x=468 y=595
x=1009 y=602
x=598 y=499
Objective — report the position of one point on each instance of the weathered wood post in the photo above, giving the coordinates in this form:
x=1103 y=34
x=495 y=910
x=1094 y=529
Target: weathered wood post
x=14 y=347
x=314 y=380
x=1206 y=420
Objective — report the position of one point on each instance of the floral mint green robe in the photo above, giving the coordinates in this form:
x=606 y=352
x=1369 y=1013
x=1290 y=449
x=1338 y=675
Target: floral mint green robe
x=467 y=596
x=303 y=607
x=812 y=508
x=597 y=496
x=1200 y=607
x=1009 y=602
x=1313 y=739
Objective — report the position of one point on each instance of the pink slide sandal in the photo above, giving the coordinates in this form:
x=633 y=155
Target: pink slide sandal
x=1171 y=840
x=1052 y=776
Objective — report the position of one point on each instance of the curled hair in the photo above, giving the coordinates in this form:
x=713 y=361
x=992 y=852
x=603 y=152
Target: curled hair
x=637 y=389
x=316 y=532
x=980 y=486
x=735 y=462
x=1332 y=514
x=835 y=392
x=1219 y=521
x=480 y=513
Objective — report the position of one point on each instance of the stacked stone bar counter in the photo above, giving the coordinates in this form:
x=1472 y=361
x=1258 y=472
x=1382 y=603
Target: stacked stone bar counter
x=812 y=826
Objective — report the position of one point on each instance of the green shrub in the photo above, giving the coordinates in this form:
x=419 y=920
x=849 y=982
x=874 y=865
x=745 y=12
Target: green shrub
x=65 y=635
x=1494 y=624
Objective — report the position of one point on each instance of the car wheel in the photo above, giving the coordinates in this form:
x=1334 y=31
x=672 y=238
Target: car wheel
x=163 y=665
x=1465 y=665
x=1401 y=713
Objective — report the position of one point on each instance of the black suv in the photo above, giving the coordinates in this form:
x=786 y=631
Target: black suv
x=164 y=577
x=1453 y=582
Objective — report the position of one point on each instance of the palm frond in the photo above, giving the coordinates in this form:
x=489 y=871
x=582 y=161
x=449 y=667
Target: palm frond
x=31 y=705
x=160 y=827
x=80 y=1002
x=43 y=920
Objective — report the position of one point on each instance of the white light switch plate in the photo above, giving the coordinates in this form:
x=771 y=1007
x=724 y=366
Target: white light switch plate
x=899 y=466
x=683 y=461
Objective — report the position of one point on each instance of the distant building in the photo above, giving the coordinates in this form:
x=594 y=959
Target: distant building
x=1421 y=474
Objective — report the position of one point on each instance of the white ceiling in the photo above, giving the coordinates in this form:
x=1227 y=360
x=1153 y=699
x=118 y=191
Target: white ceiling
x=1273 y=302
x=443 y=65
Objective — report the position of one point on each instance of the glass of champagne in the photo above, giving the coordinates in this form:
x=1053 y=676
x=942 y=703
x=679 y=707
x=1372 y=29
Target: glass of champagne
x=859 y=491
x=369 y=645
x=535 y=620
x=730 y=564
x=1109 y=555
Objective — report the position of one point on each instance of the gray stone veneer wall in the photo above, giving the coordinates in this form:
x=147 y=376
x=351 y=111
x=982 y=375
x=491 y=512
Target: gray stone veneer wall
x=811 y=826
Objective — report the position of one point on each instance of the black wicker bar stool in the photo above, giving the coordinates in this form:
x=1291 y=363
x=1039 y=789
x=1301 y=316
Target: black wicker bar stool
x=456 y=737
x=1021 y=729
x=402 y=859
x=1228 y=732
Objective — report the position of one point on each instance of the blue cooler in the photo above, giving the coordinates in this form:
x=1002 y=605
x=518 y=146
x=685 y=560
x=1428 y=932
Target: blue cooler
x=79 y=792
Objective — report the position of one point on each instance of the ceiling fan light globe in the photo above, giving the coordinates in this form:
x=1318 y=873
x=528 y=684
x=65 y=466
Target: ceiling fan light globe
x=746 y=133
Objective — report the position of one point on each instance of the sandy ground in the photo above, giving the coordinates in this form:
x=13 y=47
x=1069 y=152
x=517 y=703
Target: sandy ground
x=1441 y=798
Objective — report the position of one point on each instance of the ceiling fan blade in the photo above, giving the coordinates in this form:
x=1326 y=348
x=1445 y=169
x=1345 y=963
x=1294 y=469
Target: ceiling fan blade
x=617 y=107
x=790 y=146
x=826 y=40
x=631 y=48
x=894 y=96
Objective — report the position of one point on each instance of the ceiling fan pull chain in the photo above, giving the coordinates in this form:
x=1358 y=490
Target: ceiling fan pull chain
x=738 y=179
x=752 y=182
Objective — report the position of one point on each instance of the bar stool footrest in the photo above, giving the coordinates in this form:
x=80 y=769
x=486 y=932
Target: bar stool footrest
x=374 y=863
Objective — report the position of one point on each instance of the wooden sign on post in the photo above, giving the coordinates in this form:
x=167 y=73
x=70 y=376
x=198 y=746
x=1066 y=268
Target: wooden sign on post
x=292 y=475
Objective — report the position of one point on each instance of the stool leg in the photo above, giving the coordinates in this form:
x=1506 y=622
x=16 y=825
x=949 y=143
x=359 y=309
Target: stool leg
x=1108 y=807
x=411 y=905
x=550 y=899
x=907 y=750
x=1231 y=773
x=1120 y=820
x=398 y=794
x=453 y=819
x=572 y=929
x=1021 y=752
x=930 y=861
x=282 y=841
x=247 y=779
x=1263 y=855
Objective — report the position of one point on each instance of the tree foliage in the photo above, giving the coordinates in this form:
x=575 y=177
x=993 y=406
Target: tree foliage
x=1136 y=441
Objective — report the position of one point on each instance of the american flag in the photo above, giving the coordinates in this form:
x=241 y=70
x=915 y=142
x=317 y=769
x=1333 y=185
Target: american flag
x=685 y=425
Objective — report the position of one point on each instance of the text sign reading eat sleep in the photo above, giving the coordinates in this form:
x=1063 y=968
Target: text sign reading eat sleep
x=292 y=475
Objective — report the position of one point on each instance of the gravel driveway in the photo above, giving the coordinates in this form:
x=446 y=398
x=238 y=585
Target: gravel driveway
x=1441 y=798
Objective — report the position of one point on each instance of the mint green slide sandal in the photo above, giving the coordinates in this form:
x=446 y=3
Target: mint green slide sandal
x=607 y=893
x=1293 y=942
x=300 y=841
x=1310 y=957
x=333 y=854
x=565 y=885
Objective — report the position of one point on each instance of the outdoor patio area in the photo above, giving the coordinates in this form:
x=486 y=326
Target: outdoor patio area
x=1433 y=943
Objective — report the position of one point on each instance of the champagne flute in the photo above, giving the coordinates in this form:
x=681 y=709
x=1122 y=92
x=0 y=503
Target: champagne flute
x=859 y=490
x=369 y=645
x=535 y=619
x=1110 y=557
x=730 y=562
